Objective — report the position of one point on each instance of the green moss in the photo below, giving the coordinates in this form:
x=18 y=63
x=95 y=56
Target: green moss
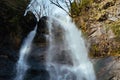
x=85 y=2
x=76 y=8
x=94 y=50
x=116 y=30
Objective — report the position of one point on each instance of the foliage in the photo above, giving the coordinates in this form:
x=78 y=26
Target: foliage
x=116 y=29
x=77 y=7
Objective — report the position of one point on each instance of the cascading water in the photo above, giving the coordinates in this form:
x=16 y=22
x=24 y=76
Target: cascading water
x=76 y=65
x=67 y=57
x=21 y=65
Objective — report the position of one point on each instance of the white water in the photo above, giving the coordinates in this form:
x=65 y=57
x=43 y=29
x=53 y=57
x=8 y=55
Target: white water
x=74 y=47
x=21 y=65
x=67 y=55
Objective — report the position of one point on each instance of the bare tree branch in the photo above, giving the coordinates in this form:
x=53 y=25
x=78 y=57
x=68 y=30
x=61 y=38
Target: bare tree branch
x=67 y=5
x=58 y=4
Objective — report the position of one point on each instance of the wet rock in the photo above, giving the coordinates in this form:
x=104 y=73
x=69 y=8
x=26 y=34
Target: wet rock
x=27 y=24
x=37 y=75
x=42 y=31
x=37 y=69
x=14 y=28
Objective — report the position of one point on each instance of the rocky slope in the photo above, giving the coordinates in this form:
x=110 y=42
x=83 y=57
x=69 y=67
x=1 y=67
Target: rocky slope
x=107 y=68
x=100 y=22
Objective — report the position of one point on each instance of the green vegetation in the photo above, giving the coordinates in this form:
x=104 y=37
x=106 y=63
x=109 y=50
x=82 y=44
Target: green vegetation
x=89 y=15
x=77 y=7
x=116 y=29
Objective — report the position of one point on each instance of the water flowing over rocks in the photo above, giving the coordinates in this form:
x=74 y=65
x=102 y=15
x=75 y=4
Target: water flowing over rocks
x=14 y=27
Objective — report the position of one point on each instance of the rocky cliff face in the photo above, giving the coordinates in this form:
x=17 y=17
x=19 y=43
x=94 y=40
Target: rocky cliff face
x=14 y=27
x=100 y=22
x=107 y=68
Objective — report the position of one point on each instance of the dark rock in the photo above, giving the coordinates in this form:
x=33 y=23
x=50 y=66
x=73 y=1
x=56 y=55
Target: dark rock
x=37 y=69
x=103 y=18
x=63 y=58
x=8 y=59
x=42 y=25
x=108 y=4
x=14 y=25
x=9 y=53
x=98 y=1
x=15 y=28
x=41 y=31
x=37 y=61
x=37 y=75
x=28 y=23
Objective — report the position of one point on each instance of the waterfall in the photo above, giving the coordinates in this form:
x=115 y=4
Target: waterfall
x=21 y=65
x=67 y=58
x=67 y=55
